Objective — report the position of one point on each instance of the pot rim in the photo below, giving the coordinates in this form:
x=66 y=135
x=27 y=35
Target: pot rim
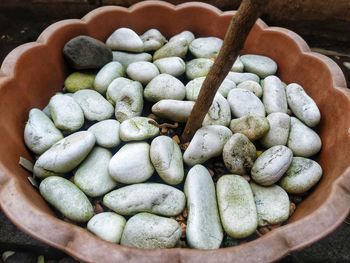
x=77 y=242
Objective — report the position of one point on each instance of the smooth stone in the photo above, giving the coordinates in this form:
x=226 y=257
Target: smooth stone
x=205 y=47
x=94 y=105
x=174 y=110
x=84 y=52
x=237 y=66
x=244 y=102
x=142 y=71
x=92 y=176
x=137 y=129
x=251 y=125
x=194 y=86
x=206 y=143
x=187 y=35
x=236 y=206
x=125 y=39
x=46 y=110
x=64 y=155
x=203 y=229
x=238 y=77
x=174 y=66
x=106 y=75
x=79 y=80
x=126 y=58
x=149 y=231
x=175 y=48
x=106 y=133
x=66 y=198
x=271 y=165
x=108 y=226
x=239 y=154
x=159 y=199
x=66 y=113
x=127 y=97
x=274 y=95
x=198 y=67
x=279 y=130
x=40 y=133
x=132 y=163
x=272 y=204
x=166 y=158
x=260 y=65
x=219 y=112
x=302 y=140
x=251 y=86
x=152 y=40
x=164 y=86
x=302 y=105
x=301 y=176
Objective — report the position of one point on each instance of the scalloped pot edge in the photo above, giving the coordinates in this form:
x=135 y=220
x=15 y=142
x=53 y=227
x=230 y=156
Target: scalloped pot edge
x=317 y=216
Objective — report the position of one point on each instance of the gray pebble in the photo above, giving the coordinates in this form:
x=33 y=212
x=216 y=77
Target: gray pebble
x=142 y=71
x=175 y=48
x=106 y=133
x=219 y=113
x=174 y=110
x=251 y=86
x=137 y=129
x=174 y=66
x=253 y=126
x=106 y=75
x=152 y=40
x=198 y=67
x=261 y=65
x=274 y=95
x=205 y=47
x=279 y=130
x=243 y=102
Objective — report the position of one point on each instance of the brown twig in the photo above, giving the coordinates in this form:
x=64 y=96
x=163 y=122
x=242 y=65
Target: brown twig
x=238 y=30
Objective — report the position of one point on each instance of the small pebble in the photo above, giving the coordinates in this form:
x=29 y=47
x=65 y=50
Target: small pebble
x=106 y=75
x=106 y=133
x=261 y=65
x=126 y=58
x=142 y=71
x=253 y=126
x=251 y=86
x=279 y=130
x=137 y=129
x=205 y=47
x=238 y=78
x=274 y=95
x=152 y=40
x=175 y=48
x=79 y=80
x=243 y=102
x=187 y=35
x=198 y=67
x=174 y=110
x=174 y=66
x=125 y=39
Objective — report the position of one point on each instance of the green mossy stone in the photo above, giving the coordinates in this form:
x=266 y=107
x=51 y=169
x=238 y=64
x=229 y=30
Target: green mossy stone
x=79 y=80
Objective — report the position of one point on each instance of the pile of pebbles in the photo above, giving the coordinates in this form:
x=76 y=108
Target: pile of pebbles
x=109 y=158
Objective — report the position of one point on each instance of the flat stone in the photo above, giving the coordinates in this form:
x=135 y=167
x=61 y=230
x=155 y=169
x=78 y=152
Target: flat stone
x=274 y=95
x=279 y=130
x=203 y=229
x=174 y=66
x=106 y=133
x=175 y=48
x=271 y=165
x=142 y=71
x=137 y=129
x=125 y=39
x=198 y=67
x=219 y=112
x=79 y=80
x=108 y=226
x=238 y=77
x=251 y=86
x=66 y=198
x=132 y=164
x=84 y=52
x=152 y=40
x=106 y=75
x=126 y=58
x=205 y=47
x=253 y=126
x=261 y=65
x=174 y=110
x=159 y=199
x=166 y=158
x=236 y=206
x=244 y=102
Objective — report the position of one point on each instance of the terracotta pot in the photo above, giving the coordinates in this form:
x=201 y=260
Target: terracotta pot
x=33 y=72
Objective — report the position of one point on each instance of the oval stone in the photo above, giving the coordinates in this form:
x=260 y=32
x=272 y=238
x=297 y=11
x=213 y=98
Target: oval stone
x=125 y=39
x=153 y=198
x=272 y=204
x=198 y=67
x=187 y=35
x=243 y=102
x=106 y=133
x=175 y=48
x=174 y=110
x=236 y=206
x=66 y=113
x=251 y=86
x=279 y=130
x=166 y=158
x=174 y=66
x=205 y=47
x=94 y=105
x=301 y=175
x=66 y=198
x=106 y=75
x=142 y=71
x=152 y=40
x=302 y=140
x=203 y=229
x=274 y=95
x=260 y=65
x=253 y=126
x=149 y=231
x=237 y=65
x=92 y=176
x=271 y=165
x=131 y=164
x=238 y=77
x=40 y=133
x=164 y=86
x=64 y=155
x=219 y=113
x=207 y=142
x=302 y=105
x=137 y=129
x=239 y=154
x=126 y=58
x=79 y=80
x=108 y=226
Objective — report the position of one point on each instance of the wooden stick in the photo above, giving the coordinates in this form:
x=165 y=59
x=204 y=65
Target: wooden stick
x=239 y=28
